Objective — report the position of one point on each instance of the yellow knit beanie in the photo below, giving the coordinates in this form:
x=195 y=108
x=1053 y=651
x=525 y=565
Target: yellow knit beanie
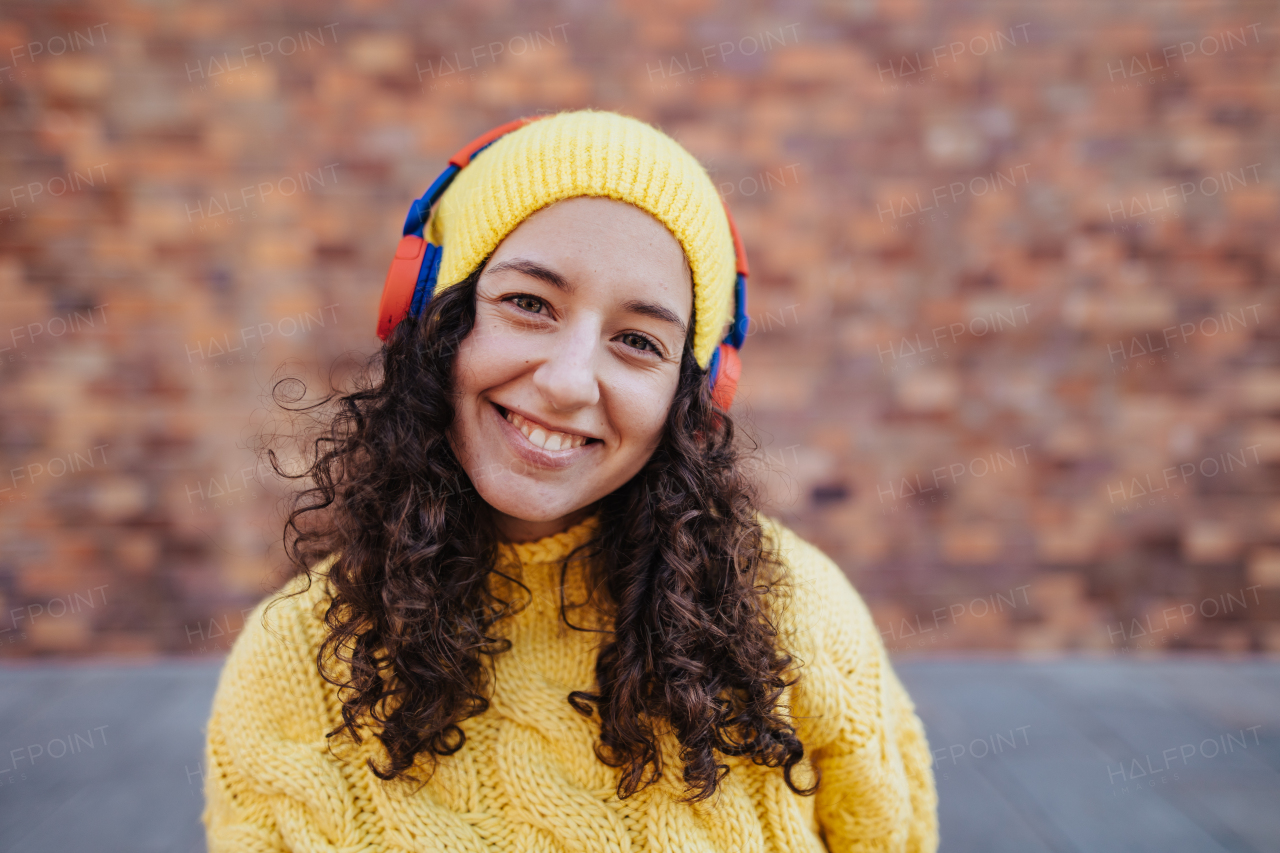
x=592 y=153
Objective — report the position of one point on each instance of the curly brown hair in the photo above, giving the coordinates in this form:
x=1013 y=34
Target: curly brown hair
x=679 y=549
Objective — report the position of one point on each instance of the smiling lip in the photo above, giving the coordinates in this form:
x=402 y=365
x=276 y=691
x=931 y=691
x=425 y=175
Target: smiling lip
x=534 y=455
x=544 y=425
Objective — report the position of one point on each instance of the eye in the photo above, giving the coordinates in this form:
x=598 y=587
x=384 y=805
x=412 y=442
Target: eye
x=525 y=302
x=635 y=340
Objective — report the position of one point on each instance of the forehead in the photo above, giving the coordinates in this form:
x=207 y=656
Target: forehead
x=594 y=217
x=606 y=241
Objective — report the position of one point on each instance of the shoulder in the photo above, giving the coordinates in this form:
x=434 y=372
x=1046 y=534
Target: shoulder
x=267 y=771
x=820 y=595
x=287 y=617
x=823 y=621
x=271 y=668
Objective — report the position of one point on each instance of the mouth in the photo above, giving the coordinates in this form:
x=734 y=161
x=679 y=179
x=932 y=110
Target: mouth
x=543 y=437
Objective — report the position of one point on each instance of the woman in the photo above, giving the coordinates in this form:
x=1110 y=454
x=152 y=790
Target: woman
x=536 y=608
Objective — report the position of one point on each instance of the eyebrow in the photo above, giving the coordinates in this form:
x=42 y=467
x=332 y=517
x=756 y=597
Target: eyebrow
x=553 y=278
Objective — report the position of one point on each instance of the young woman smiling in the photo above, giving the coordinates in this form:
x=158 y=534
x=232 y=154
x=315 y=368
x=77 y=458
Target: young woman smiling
x=535 y=607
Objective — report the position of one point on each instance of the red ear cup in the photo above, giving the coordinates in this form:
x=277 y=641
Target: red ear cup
x=727 y=377
x=402 y=279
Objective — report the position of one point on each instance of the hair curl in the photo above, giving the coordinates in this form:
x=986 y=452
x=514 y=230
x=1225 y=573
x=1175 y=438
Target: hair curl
x=679 y=549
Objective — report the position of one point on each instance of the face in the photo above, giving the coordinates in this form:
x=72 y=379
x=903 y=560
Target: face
x=564 y=385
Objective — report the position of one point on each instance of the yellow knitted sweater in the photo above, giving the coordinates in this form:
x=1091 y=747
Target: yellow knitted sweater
x=527 y=778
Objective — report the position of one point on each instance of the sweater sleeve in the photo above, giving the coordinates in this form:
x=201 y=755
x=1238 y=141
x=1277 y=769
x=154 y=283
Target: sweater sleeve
x=267 y=788
x=877 y=791
x=234 y=818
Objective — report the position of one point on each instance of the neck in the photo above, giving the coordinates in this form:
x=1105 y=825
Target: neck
x=513 y=529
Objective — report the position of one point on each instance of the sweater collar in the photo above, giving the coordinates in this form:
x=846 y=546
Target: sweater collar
x=554 y=548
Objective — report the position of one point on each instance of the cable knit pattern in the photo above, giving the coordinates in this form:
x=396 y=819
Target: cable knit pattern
x=527 y=779
x=592 y=153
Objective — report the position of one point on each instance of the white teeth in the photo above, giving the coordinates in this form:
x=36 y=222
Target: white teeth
x=547 y=440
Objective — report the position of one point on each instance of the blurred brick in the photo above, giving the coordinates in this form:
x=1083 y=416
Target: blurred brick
x=65 y=634
x=1067 y=544
x=1099 y=381
x=1264 y=567
x=380 y=53
x=1210 y=541
x=1264 y=438
x=929 y=391
x=1260 y=390
x=972 y=543
x=76 y=76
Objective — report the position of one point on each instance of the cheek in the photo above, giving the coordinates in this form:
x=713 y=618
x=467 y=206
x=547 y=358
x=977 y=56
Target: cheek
x=492 y=354
x=639 y=407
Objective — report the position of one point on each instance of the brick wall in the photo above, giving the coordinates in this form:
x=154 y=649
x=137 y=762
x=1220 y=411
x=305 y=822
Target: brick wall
x=1012 y=363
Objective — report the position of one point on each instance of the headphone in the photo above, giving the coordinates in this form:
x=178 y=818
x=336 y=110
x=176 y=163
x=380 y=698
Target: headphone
x=412 y=277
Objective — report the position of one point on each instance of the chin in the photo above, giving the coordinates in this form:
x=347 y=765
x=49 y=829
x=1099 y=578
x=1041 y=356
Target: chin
x=533 y=505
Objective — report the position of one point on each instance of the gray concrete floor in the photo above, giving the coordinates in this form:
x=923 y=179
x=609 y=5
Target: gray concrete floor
x=1068 y=756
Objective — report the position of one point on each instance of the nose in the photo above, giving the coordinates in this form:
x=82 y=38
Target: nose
x=567 y=378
